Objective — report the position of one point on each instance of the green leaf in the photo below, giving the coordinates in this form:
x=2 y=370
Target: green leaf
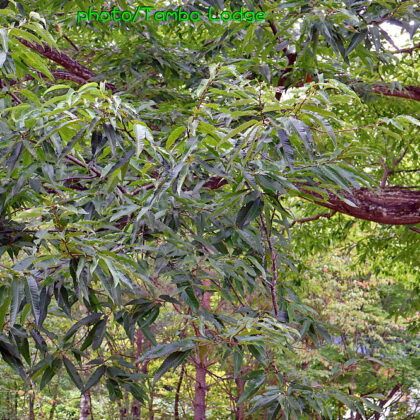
x=171 y=362
x=94 y=379
x=14 y=156
x=286 y=146
x=49 y=373
x=137 y=392
x=237 y=362
x=258 y=352
x=5 y=299
x=303 y=132
x=124 y=159
x=252 y=386
x=240 y=129
x=164 y=349
x=174 y=136
x=17 y=288
x=89 y=320
x=141 y=132
x=355 y=41
x=74 y=375
x=72 y=142
x=32 y=295
x=100 y=330
x=249 y=212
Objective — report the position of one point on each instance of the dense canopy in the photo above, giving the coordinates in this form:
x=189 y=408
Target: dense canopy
x=207 y=218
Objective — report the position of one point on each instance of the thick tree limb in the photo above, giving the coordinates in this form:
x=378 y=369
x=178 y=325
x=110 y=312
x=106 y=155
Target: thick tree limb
x=408 y=92
x=392 y=205
x=71 y=65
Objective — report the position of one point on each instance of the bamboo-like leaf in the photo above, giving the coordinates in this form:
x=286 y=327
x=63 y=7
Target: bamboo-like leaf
x=164 y=349
x=89 y=320
x=355 y=41
x=32 y=295
x=124 y=159
x=17 y=288
x=94 y=379
x=249 y=212
x=100 y=331
x=72 y=371
x=171 y=362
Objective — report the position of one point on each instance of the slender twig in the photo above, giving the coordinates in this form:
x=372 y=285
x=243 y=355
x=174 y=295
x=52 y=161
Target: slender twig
x=71 y=42
x=273 y=283
x=406 y=50
x=177 y=392
x=316 y=217
x=404 y=171
x=349 y=129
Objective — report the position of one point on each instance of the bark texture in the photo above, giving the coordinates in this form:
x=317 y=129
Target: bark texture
x=71 y=65
x=240 y=409
x=391 y=205
x=85 y=408
x=394 y=205
x=407 y=92
x=136 y=405
x=200 y=390
x=201 y=364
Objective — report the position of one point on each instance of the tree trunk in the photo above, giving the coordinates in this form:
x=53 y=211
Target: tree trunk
x=85 y=408
x=240 y=410
x=136 y=405
x=31 y=406
x=199 y=402
x=123 y=407
x=200 y=389
x=52 y=410
x=54 y=403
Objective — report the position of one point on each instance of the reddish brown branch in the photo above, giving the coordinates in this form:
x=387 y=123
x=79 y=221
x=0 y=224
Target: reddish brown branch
x=316 y=217
x=273 y=283
x=71 y=65
x=392 y=205
x=408 y=92
x=58 y=75
x=282 y=83
x=406 y=50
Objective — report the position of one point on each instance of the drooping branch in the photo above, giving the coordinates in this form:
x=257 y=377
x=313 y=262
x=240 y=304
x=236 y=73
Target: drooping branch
x=58 y=75
x=71 y=65
x=60 y=58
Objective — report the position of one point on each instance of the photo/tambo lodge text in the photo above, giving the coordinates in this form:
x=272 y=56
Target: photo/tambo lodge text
x=179 y=15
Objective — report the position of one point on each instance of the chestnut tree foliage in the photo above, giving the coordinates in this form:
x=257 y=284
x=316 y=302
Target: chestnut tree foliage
x=210 y=219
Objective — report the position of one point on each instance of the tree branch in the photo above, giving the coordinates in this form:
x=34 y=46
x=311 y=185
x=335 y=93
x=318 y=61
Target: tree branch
x=71 y=65
x=312 y=218
x=391 y=205
x=58 y=75
x=406 y=50
x=395 y=205
x=408 y=92
x=273 y=283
